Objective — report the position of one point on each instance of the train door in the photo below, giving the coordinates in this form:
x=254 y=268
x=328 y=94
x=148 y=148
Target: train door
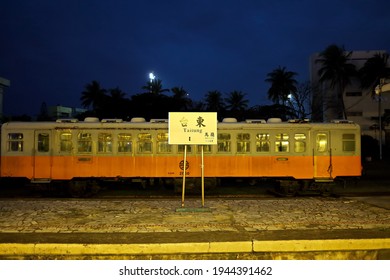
x=42 y=155
x=322 y=155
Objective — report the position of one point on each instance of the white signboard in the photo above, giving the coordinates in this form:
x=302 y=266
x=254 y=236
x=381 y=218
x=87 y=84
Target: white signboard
x=197 y=128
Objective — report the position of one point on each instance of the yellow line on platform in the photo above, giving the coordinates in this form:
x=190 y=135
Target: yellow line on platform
x=124 y=249
x=256 y=246
x=321 y=245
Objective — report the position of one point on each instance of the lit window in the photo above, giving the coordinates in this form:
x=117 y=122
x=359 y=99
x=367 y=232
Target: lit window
x=243 y=143
x=300 y=143
x=262 y=142
x=145 y=143
x=282 y=143
x=15 y=142
x=66 y=142
x=322 y=142
x=125 y=145
x=224 y=142
x=104 y=143
x=162 y=143
x=84 y=140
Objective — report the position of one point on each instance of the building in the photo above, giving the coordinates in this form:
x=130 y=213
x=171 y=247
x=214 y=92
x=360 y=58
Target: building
x=62 y=112
x=361 y=107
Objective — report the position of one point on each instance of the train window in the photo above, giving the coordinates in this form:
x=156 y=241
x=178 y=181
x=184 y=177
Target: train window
x=282 y=142
x=262 y=142
x=105 y=143
x=84 y=140
x=125 y=145
x=162 y=143
x=224 y=142
x=300 y=142
x=322 y=142
x=180 y=148
x=43 y=142
x=144 y=143
x=206 y=149
x=15 y=142
x=243 y=143
x=349 y=142
x=66 y=142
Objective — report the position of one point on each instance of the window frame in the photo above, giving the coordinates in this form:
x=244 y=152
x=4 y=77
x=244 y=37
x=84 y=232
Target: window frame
x=15 y=142
x=144 y=144
x=282 y=141
x=225 y=142
x=84 y=142
x=263 y=139
x=125 y=144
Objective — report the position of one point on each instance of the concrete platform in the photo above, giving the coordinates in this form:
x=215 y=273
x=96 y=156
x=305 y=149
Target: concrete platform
x=273 y=228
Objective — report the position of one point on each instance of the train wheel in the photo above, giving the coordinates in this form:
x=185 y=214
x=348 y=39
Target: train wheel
x=77 y=188
x=83 y=188
x=288 y=188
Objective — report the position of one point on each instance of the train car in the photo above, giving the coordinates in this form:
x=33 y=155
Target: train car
x=299 y=155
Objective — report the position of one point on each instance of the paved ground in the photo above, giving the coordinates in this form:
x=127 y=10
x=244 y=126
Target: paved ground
x=75 y=228
x=134 y=216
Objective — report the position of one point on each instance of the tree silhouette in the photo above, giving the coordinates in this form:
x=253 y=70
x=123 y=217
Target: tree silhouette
x=337 y=72
x=236 y=101
x=180 y=99
x=374 y=69
x=93 y=96
x=300 y=100
x=214 y=101
x=155 y=87
x=283 y=83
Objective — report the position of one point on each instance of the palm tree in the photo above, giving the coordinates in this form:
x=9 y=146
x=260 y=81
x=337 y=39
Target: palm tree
x=116 y=105
x=283 y=84
x=117 y=94
x=180 y=99
x=374 y=69
x=336 y=72
x=155 y=87
x=214 y=101
x=93 y=95
x=236 y=101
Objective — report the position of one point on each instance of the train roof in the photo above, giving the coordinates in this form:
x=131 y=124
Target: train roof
x=227 y=123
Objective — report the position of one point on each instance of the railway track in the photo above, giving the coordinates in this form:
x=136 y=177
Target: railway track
x=231 y=192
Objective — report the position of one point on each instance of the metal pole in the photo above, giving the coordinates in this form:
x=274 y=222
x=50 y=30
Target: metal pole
x=380 y=125
x=202 y=169
x=184 y=176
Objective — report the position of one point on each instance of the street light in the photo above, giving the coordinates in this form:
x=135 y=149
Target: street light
x=151 y=76
x=384 y=85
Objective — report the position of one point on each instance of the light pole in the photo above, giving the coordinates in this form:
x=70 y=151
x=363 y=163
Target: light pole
x=151 y=78
x=384 y=85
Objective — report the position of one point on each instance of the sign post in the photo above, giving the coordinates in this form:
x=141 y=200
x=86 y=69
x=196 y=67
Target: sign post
x=183 y=190
x=192 y=128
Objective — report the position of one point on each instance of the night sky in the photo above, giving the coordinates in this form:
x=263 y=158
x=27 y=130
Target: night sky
x=50 y=49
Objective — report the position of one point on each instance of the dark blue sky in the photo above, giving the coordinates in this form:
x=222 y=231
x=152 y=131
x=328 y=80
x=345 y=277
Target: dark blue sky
x=50 y=49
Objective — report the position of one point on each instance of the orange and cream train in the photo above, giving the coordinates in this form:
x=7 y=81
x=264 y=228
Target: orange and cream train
x=298 y=154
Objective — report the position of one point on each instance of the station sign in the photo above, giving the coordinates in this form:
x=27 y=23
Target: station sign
x=198 y=128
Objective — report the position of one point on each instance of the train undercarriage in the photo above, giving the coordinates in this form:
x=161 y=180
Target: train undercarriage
x=88 y=187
